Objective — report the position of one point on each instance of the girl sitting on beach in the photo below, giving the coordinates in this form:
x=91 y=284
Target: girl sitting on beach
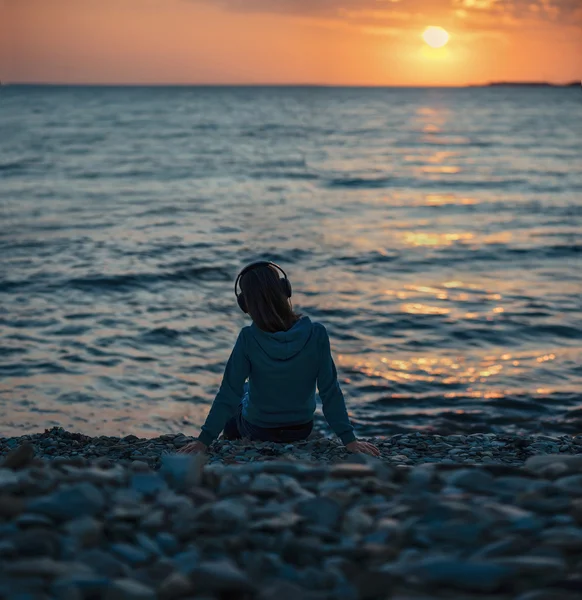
x=283 y=355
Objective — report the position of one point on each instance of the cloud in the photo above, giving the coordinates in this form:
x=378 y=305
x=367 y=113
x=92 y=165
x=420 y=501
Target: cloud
x=375 y=13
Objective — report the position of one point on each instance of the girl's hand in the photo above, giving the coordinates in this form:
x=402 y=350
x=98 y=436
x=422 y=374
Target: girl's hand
x=363 y=448
x=193 y=448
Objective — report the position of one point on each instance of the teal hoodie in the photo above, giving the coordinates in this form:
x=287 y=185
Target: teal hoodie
x=283 y=370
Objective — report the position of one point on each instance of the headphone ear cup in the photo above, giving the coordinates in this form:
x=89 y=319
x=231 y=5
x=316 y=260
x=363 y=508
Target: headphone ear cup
x=240 y=299
x=286 y=285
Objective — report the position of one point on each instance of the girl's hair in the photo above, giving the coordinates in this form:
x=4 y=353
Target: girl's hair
x=266 y=301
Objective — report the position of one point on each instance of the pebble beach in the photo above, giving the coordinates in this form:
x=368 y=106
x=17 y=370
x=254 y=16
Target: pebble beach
x=476 y=516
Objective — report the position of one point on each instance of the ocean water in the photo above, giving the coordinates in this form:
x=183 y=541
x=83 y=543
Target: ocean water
x=435 y=232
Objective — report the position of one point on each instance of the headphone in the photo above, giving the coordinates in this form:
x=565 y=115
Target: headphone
x=284 y=282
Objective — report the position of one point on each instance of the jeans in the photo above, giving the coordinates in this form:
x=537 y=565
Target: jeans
x=238 y=427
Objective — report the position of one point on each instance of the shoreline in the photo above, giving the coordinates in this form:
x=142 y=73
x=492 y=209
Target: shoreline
x=400 y=449
x=455 y=517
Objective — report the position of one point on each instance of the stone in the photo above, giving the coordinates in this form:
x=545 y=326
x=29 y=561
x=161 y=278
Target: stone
x=473 y=480
x=186 y=561
x=320 y=511
x=220 y=576
x=229 y=511
x=147 y=484
x=37 y=542
x=10 y=506
x=104 y=563
x=140 y=465
x=88 y=583
x=133 y=555
x=9 y=481
x=470 y=576
x=285 y=520
x=265 y=485
x=18 y=458
x=128 y=589
x=573 y=463
x=283 y=590
x=537 y=569
x=167 y=542
x=42 y=567
x=26 y=520
x=357 y=522
x=572 y=484
x=568 y=538
x=349 y=470
x=77 y=500
x=182 y=471
x=175 y=586
x=87 y=531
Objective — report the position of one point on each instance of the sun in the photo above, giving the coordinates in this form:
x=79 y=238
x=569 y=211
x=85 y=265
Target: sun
x=436 y=37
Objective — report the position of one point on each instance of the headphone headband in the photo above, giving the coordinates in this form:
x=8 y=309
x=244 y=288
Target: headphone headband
x=252 y=267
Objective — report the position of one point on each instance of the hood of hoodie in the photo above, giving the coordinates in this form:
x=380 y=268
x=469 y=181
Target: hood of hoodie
x=284 y=345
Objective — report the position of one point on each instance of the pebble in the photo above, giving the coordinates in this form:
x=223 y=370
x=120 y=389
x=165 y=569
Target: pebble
x=80 y=518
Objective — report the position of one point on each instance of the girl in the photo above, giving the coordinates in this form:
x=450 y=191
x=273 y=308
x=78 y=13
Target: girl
x=284 y=356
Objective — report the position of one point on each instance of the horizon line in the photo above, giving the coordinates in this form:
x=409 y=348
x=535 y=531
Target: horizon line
x=289 y=85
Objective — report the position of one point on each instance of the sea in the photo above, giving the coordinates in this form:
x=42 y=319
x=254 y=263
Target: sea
x=436 y=233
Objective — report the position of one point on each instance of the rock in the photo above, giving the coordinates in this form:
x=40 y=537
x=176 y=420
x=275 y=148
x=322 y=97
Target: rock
x=128 y=589
x=18 y=458
x=182 y=471
x=577 y=511
x=78 y=500
x=187 y=561
x=43 y=567
x=175 y=586
x=154 y=520
x=87 y=531
x=372 y=583
x=265 y=485
x=573 y=463
x=26 y=520
x=568 y=538
x=283 y=521
x=229 y=511
x=348 y=470
x=357 y=522
x=88 y=583
x=37 y=542
x=219 y=576
x=147 y=484
x=9 y=481
x=133 y=555
x=470 y=479
x=549 y=594
x=470 y=576
x=508 y=546
x=140 y=465
x=103 y=563
x=10 y=506
x=572 y=484
x=537 y=569
x=283 y=590
x=167 y=542
x=321 y=511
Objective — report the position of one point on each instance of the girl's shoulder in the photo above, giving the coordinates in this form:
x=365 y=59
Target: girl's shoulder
x=319 y=329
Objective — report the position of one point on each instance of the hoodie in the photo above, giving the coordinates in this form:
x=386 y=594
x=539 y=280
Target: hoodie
x=283 y=370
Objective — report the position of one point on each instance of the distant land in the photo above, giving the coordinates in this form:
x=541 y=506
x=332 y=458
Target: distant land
x=530 y=84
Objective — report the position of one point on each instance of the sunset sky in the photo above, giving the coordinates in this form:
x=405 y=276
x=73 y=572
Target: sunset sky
x=344 y=42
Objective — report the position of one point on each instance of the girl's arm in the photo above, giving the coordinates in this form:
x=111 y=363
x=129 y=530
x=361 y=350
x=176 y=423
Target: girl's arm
x=332 y=398
x=334 y=405
x=228 y=398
